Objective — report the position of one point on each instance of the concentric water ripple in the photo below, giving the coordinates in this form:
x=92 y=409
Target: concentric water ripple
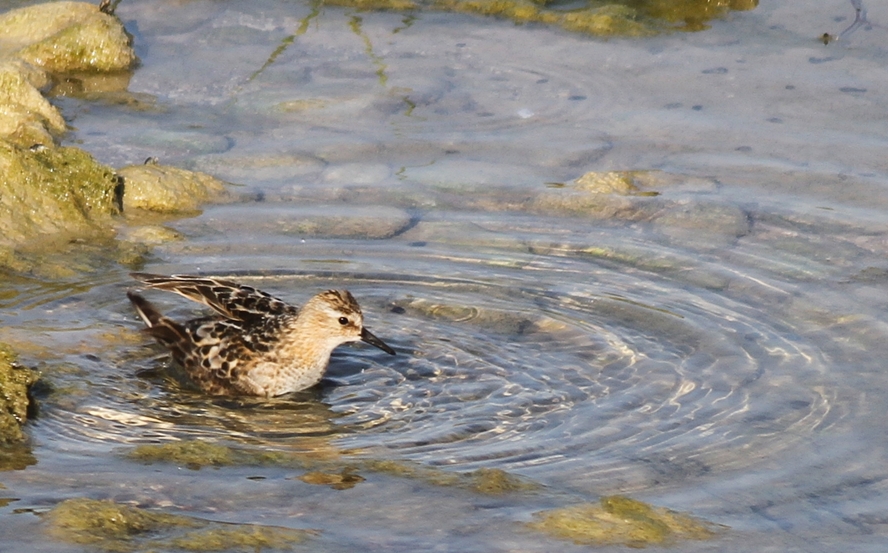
x=629 y=379
x=526 y=378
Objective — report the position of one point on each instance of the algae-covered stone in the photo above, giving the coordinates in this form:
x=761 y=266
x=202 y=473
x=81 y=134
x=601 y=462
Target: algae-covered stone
x=48 y=190
x=631 y=195
x=498 y=482
x=16 y=456
x=619 y=520
x=611 y=182
x=483 y=481
x=344 y=479
x=610 y=20
x=574 y=202
x=66 y=36
x=106 y=524
x=396 y=5
x=167 y=189
x=195 y=454
x=627 y=18
x=15 y=381
x=693 y=15
x=242 y=537
x=641 y=183
x=109 y=526
x=521 y=11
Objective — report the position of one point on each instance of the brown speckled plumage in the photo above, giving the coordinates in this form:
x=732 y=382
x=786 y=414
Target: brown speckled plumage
x=256 y=344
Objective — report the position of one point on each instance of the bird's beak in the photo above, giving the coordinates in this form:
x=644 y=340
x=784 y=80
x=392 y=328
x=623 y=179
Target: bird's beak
x=367 y=336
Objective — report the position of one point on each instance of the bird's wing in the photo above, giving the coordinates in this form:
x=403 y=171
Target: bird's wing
x=229 y=299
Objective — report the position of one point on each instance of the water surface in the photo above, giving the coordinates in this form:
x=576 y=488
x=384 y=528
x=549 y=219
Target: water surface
x=716 y=349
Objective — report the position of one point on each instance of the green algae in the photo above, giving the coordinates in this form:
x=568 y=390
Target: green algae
x=109 y=526
x=355 y=25
x=482 y=481
x=610 y=182
x=619 y=520
x=498 y=482
x=51 y=190
x=16 y=456
x=367 y=5
x=195 y=454
x=690 y=15
x=15 y=381
x=344 y=479
x=249 y=538
x=624 y=18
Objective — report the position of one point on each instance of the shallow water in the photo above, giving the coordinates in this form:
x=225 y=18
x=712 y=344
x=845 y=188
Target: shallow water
x=715 y=349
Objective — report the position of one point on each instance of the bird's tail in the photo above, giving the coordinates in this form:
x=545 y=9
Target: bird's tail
x=165 y=330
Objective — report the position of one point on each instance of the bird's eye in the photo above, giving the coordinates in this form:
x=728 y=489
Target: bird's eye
x=343 y=321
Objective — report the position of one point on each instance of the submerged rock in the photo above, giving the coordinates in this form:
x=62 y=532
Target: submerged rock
x=344 y=479
x=288 y=219
x=627 y=18
x=699 y=224
x=582 y=203
x=482 y=481
x=15 y=381
x=490 y=320
x=195 y=454
x=619 y=520
x=601 y=195
x=103 y=523
x=240 y=537
x=109 y=526
x=499 y=482
x=611 y=182
x=16 y=456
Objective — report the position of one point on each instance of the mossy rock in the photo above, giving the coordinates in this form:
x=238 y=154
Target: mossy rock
x=195 y=454
x=483 y=481
x=102 y=522
x=609 y=182
x=15 y=381
x=109 y=526
x=344 y=479
x=165 y=189
x=246 y=537
x=47 y=190
x=67 y=36
x=619 y=520
x=625 y=18
x=499 y=482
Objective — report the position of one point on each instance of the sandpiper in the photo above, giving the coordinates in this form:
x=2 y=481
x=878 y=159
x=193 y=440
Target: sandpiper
x=256 y=344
